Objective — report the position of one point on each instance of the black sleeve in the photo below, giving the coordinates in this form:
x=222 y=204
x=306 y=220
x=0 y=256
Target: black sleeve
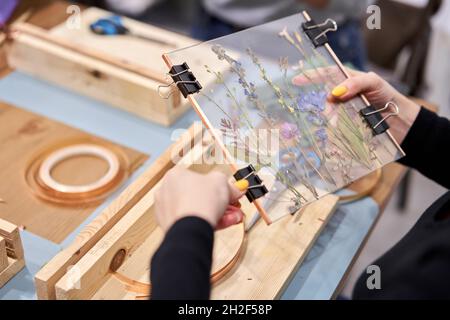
x=426 y=146
x=181 y=267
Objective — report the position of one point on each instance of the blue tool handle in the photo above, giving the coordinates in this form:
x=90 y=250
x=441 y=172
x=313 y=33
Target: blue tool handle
x=110 y=26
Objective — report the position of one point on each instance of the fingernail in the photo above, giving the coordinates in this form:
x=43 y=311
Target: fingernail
x=242 y=184
x=238 y=218
x=339 y=91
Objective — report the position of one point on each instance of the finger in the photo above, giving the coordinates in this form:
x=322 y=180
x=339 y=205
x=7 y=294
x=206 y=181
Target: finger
x=360 y=83
x=313 y=76
x=237 y=190
x=230 y=218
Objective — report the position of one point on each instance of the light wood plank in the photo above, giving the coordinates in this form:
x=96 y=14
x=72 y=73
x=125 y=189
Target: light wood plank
x=11 y=234
x=11 y=252
x=3 y=255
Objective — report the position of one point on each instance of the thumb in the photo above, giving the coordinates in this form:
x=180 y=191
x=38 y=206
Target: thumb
x=237 y=190
x=360 y=83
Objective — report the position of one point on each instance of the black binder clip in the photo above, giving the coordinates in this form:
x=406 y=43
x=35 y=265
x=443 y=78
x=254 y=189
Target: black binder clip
x=374 y=119
x=256 y=188
x=184 y=80
x=318 y=32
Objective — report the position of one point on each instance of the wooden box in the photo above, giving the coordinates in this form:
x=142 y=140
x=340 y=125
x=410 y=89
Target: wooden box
x=110 y=258
x=123 y=71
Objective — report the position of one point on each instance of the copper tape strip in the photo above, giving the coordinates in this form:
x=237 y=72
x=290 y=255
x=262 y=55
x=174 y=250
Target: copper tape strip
x=45 y=192
x=58 y=156
x=145 y=288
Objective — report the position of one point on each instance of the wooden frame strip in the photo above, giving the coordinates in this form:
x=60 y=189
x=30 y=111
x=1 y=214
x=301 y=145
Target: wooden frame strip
x=11 y=251
x=3 y=255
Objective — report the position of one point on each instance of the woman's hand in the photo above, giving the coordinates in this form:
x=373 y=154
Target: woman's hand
x=376 y=90
x=211 y=197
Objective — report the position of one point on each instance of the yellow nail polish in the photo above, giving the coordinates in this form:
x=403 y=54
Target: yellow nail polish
x=339 y=91
x=242 y=184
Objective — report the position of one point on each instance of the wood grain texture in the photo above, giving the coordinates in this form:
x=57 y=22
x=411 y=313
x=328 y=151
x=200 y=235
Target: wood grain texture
x=55 y=269
x=11 y=234
x=22 y=136
x=14 y=267
x=3 y=255
x=274 y=253
x=11 y=252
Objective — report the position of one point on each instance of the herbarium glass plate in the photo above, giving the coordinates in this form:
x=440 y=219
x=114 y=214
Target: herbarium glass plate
x=267 y=97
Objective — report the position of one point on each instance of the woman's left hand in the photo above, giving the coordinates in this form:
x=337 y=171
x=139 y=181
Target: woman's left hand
x=211 y=197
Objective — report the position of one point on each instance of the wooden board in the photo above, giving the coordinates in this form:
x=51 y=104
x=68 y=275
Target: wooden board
x=277 y=250
x=110 y=69
x=134 y=50
x=22 y=136
x=3 y=255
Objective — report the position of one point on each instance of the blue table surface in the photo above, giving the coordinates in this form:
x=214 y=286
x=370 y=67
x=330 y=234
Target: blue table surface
x=317 y=277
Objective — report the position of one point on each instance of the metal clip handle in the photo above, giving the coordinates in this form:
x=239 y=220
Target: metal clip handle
x=386 y=106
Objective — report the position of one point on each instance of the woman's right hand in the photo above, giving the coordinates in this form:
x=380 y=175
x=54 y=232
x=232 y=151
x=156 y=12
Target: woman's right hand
x=377 y=91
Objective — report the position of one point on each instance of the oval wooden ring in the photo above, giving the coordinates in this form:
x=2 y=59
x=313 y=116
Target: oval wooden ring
x=78 y=150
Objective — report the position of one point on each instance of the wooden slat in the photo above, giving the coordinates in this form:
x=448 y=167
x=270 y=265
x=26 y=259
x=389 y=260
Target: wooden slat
x=11 y=234
x=11 y=252
x=49 y=275
x=3 y=255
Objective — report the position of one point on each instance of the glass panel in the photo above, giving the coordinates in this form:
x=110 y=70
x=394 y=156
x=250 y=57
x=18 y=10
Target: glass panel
x=265 y=91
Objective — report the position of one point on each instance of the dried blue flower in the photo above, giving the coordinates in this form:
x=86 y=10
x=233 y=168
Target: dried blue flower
x=315 y=119
x=312 y=101
x=301 y=105
x=289 y=131
x=321 y=134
